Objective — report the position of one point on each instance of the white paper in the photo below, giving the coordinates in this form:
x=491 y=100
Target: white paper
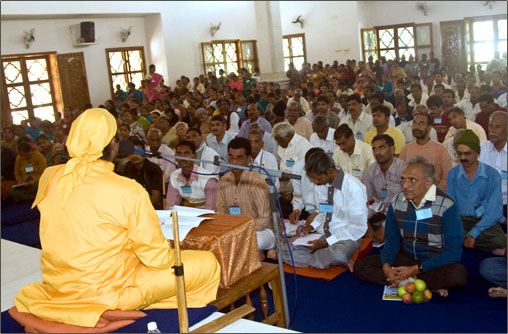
x=189 y=212
x=187 y=220
x=304 y=241
x=183 y=230
x=292 y=228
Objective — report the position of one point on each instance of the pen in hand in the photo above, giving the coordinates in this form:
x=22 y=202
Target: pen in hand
x=301 y=229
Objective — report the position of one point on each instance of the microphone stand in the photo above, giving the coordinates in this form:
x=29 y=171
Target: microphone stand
x=270 y=175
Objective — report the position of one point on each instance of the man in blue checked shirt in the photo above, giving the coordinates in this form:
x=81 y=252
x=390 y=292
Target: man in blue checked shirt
x=423 y=236
x=476 y=188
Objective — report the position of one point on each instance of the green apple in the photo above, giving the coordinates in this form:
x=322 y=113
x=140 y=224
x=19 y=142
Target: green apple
x=420 y=285
x=417 y=297
x=401 y=291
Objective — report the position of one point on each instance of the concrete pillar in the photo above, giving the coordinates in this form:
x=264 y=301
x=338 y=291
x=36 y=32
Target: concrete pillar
x=269 y=42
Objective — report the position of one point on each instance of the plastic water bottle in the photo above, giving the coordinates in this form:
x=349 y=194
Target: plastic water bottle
x=152 y=327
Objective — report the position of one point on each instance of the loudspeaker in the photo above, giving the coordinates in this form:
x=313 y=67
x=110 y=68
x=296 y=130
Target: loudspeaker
x=87 y=32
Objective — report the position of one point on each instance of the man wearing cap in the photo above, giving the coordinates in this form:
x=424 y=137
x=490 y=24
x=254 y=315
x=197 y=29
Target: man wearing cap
x=102 y=244
x=476 y=188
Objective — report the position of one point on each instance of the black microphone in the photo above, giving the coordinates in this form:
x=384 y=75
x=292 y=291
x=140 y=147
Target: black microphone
x=126 y=148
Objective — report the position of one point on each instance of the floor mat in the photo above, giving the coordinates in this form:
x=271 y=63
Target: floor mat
x=334 y=271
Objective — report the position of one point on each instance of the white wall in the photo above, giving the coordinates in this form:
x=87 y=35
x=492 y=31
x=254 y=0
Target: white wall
x=329 y=26
x=54 y=35
x=376 y=13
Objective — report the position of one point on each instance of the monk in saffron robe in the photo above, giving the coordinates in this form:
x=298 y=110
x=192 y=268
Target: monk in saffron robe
x=102 y=244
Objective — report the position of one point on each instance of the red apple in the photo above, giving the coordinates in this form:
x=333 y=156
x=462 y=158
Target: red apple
x=401 y=291
x=427 y=295
x=420 y=285
x=410 y=287
x=417 y=297
x=406 y=298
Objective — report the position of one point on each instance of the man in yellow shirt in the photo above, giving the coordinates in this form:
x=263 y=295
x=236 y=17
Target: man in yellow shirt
x=28 y=169
x=102 y=244
x=380 y=119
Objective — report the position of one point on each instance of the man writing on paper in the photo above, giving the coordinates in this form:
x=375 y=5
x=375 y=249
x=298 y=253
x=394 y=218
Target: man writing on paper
x=102 y=244
x=342 y=219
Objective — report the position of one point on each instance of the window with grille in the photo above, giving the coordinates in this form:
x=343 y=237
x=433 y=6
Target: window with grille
x=29 y=87
x=229 y=56
x=485 y=39
x=125 y=65
x=393 y=42
x=294 y=50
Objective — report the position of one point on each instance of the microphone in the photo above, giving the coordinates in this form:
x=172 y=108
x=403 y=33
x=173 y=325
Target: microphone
x=126 y=148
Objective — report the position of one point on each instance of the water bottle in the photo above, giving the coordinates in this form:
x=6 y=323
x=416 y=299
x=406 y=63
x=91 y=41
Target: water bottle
x=152 y=327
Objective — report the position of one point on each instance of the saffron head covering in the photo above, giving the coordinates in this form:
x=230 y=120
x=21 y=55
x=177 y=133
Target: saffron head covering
x=90 y=133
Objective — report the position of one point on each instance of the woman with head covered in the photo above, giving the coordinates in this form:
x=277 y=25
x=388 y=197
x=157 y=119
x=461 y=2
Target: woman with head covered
x=102 y=245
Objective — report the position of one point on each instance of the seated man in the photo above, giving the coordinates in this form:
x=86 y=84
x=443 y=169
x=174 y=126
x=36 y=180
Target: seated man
x=28 y=168
x=458 y=120
x=342 y=219
x=434 y=253
x=154 y=139
x=292 y=146
x=382 y=180
x=476 y=188
x=352 y=155
x=323 y=135
x=254 y=112
x=102 y=244
x=187 y=188
x=260 y=157
x=219 y=139
x=380 y=118
x=146 y=173
x=203 y=152
x=243 y=192
x=295 y=117
x=305 y=192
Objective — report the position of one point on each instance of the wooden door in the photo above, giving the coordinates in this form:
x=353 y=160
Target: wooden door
x=74 y=84
x=453 y=45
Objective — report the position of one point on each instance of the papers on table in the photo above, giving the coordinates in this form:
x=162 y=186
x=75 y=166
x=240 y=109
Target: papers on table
x=291 y=229
x=187 y=220
x=305 y=241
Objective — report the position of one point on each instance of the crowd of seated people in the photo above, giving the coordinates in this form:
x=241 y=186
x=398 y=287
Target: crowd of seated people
x=378 y=127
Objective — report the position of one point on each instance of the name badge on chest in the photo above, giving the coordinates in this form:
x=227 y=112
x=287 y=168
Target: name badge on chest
x=326 y=207
x=186 y=189
x=438 y=120
x=330 y=154
x=384 y=193
x=359 y=135
x=503 y=175
x=422 y=214
x=234 y=210
x=290 y=163
x=357 y=172
x=29 y=169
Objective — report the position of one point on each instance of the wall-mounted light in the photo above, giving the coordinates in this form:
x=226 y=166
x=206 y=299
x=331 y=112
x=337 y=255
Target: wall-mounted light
x=125 y=33
x=29 y=38
x=214 y=28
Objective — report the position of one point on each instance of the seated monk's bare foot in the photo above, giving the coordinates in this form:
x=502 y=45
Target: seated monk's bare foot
x=442 y=292
x=497 y=292
x=272 y=254
x=351 y=265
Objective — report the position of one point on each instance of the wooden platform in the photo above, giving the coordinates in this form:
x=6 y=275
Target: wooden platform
x=268 y=272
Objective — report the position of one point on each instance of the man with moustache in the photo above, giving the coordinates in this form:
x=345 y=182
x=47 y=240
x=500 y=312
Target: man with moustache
x=476 y=188
x=420 y=241
x=431 y=150
x=493 y=152
x=219 y=139
x=253 y=113
x=203 y=152
x=154 y=139
x=439 y=116
x=382 y=180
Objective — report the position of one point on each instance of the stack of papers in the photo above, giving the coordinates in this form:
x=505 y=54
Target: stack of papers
x=305 y=241
x=188 y=218
x=291 y=229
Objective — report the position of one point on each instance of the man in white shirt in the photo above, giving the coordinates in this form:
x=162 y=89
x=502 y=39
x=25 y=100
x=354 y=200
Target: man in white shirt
x=351 y=154
x=358 y=121
x=188 y=188
x=471 y=107
x=292 y=147
x=407 y=128
x=493 y=152
x=219 y=138
x=297 y=97
x=261 y=157
x=203 y=152
x=322 y=136
x=342 y=219
x=154 y=139
x=417 y=96
x=231 y=117
x=458 y=120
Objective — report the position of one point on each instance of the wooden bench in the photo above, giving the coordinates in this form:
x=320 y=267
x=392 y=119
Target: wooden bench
x=268 y=272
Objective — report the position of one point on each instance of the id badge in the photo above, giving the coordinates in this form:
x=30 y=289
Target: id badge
x=479 y=211
x=29 y=169
x=503 y=175
x=290 y=163
x=330 y=154
x=186 y=189
x=423 y=213
x=359 y=135
x=438 y=120
x=357 y=172
x=325 y=207
x=234 y=210
x=403 y=121
x=384 y=193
